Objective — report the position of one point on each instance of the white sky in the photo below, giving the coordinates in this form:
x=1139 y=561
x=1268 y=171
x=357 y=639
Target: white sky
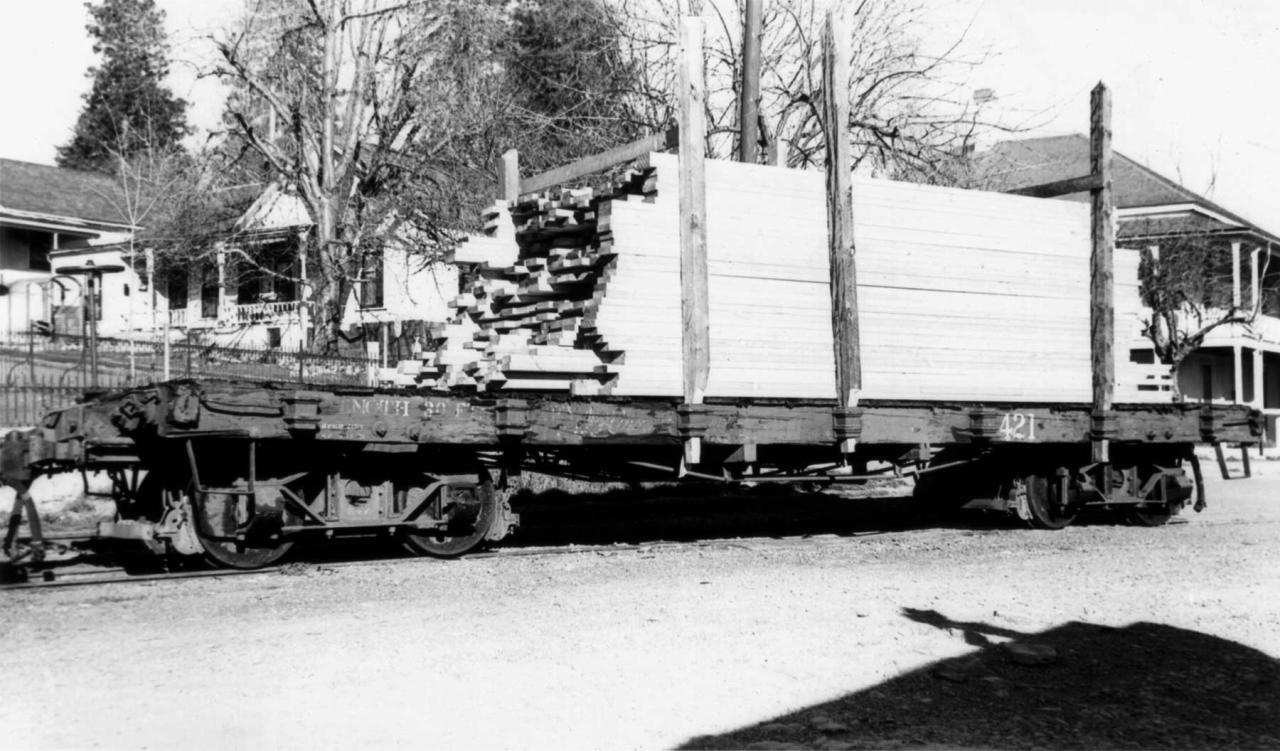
x=1193 y=81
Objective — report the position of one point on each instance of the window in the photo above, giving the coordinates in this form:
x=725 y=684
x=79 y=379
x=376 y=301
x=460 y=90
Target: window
x=369 y=288
x=271 y=276
x=26 y=250
x=176 y=287
x=41 y=244
x=1270 y=283
x=249 y=290
x=209 y=297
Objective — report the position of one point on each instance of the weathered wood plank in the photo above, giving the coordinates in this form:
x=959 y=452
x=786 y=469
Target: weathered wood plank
x=1066 y=187
x=653 y=422
x=599 y=162
x=233 y=409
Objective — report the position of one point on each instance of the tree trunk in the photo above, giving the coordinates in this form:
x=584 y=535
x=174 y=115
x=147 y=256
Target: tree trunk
x=1174 y=389
x=332 y=255
x=329 y=275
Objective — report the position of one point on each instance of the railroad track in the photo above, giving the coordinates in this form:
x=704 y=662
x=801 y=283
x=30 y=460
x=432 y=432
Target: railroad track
x=87 y=574
x=62 y=574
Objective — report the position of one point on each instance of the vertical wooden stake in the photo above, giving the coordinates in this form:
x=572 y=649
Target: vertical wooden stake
x=844 y=290
x=691 y=85
x=510 y=175
x=1101 y=266
x=749 y=100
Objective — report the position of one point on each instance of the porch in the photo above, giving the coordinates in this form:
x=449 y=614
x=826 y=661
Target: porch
x=1237 y=374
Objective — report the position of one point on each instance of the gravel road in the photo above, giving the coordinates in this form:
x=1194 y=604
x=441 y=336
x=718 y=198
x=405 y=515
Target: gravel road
x=966 y=635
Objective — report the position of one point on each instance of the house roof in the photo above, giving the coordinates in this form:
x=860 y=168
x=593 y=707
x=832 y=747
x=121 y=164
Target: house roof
x=1010 y=165
x=275 y=209
x=39 y=189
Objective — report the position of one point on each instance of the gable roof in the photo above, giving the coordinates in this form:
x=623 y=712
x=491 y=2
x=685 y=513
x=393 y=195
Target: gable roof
x=275 y=208
x=1010 y=165
x=53 y=191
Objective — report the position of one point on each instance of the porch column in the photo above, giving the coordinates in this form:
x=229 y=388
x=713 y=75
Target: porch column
x=224 y=304
x=304 y=286
x=1255 y=281
x=1237 y=374
x=1235 y=279
x=1259 y=394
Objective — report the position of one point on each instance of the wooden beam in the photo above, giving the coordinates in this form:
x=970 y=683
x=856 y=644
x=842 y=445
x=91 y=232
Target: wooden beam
x=844 y=291
x=1061 y=187
x=1222 y=460
x=691 y=96
x=749 y=101
x=660 y=141
x=511 y=175
x=1102 y=264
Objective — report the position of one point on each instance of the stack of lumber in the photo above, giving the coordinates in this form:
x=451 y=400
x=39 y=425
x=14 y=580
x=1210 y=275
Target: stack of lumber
x=963 y=295
x=534 y=283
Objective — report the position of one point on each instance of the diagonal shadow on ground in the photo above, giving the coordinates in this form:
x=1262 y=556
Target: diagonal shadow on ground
x=1076 y=686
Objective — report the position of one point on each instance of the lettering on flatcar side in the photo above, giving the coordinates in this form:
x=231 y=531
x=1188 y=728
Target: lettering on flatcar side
x=1018 y=426
x=378 y=406
x=585 y=419
x=440 y=407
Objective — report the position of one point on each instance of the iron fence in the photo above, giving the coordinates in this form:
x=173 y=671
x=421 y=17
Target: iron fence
x=25 y=404
x=38 y=373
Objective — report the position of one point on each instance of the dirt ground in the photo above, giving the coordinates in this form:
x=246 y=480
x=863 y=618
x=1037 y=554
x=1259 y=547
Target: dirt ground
x=856 y=634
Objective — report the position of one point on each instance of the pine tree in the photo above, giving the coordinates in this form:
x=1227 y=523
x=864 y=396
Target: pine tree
x=129 y=107
x=570 y=79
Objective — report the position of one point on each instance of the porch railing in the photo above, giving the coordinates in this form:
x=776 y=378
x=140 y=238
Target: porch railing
x=265 y=311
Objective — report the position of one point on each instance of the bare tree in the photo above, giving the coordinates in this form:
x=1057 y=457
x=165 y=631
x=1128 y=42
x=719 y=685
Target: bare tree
x=388 y=116
x=336 y=80
x=151 y=176
x=1187 y=286
x=912 y=115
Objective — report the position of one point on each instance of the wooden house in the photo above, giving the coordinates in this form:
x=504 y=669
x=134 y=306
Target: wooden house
x=47 y=215
x=245 y=292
